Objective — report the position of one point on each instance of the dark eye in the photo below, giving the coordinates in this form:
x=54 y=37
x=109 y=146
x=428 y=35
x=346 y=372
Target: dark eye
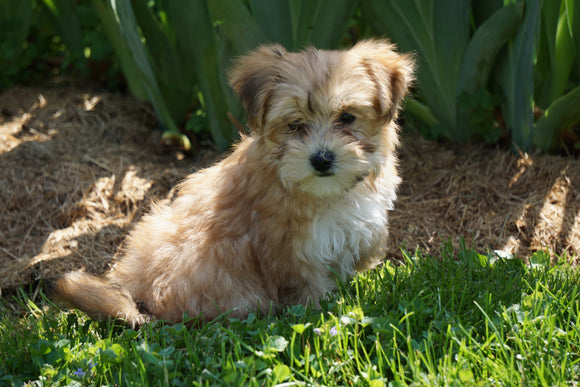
x=346 y=118
x=296 y=126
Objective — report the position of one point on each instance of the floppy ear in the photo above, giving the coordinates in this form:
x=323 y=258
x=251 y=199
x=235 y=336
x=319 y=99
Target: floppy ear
x=392 y=74
x=252 y=78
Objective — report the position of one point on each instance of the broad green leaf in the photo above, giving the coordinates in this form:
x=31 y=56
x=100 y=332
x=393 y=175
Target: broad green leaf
x=237 y=23
x=192 y=19
x=297 y=23
x=303 y=13
x=556 y=53
x=295 y=15
x=66 y=23
x=329 y=23
x=483 y=9
x=478 y=62
x=163 y=62
x=540 y=258
x=281 y=372
x=564 y=57
x=300 y=328
x=545 y=56
x=172 y=70
x=275 y=21
x=128 y=64
x=167 y=351
x=439 y=34
x=130 y=32
x=481 y=52
x=420 y=111
x=275 y=344
x=15 y=19
x=376 y=383
x=561 y=115
x=573 y=13
x=516 y=78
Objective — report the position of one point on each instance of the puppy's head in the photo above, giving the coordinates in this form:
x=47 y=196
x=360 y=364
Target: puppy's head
x=326 y=117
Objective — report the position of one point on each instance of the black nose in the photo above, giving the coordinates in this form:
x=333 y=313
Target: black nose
x=322 y=161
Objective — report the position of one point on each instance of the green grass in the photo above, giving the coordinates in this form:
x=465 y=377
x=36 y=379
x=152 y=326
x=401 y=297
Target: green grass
x=459 y=319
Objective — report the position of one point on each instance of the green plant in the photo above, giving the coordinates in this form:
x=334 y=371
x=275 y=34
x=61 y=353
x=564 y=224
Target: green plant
x=294 y=24
x=40 y=37
x=550 y=33
x=524 y=48
x=515 y=76
x=65 y=22
x=165 y=65
x=557 y=91
x=15 y=20
x=455 y=62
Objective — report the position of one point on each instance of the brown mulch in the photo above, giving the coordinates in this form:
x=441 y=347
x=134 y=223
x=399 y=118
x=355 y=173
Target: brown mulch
x=491 y=198
x=78 y=168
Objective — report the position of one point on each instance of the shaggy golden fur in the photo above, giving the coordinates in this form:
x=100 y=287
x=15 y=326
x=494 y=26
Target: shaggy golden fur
x=299 y=202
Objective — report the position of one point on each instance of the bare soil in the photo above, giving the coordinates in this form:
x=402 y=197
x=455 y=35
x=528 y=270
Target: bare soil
x=78 y=167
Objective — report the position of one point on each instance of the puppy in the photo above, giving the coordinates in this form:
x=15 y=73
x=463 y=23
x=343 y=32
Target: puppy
x=299 y=203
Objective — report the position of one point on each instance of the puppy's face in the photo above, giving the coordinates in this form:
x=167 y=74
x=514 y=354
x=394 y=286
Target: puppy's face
x=325 y=116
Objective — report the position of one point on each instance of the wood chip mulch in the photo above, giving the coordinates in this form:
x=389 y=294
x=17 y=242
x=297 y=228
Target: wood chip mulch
x=78 y=168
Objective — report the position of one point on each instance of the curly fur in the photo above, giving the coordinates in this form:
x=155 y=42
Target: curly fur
x=266 y=227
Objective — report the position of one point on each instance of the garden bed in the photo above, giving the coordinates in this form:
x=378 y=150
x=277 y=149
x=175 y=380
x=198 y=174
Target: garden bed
x=79 y=167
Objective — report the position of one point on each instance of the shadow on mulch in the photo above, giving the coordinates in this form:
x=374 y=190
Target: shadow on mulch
x=78 y=167
x=492 y=198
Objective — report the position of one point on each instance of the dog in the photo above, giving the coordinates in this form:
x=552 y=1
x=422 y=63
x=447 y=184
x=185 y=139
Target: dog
x=300 y=203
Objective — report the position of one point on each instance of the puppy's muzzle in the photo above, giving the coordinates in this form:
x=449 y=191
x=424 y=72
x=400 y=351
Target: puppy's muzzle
x=322 y=161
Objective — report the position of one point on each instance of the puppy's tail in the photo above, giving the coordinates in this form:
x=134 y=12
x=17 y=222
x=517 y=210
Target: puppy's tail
x=97 y=296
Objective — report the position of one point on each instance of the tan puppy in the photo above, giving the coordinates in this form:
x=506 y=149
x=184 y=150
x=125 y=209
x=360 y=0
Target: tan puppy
x=300 y=202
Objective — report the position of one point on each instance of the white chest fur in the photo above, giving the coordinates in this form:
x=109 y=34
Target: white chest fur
x=347 y=229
